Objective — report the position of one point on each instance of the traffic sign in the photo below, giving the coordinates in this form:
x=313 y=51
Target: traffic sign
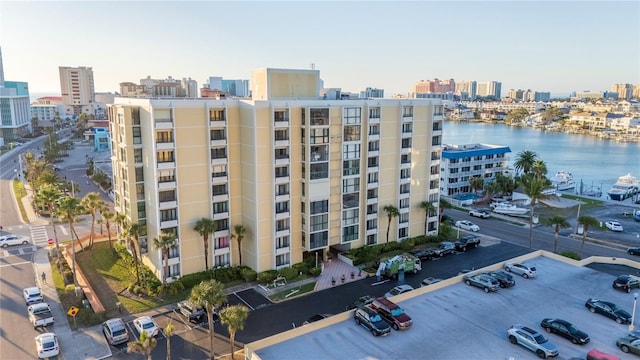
x=72 y=311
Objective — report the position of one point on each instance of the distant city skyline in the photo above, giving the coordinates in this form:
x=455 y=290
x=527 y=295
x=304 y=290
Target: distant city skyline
x=556 y=47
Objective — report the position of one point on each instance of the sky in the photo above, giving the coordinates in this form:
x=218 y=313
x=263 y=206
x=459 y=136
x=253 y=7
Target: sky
x=552 y=46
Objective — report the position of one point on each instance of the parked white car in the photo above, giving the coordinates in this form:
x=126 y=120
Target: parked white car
x=8 y=240
x=47 y=345
x=524 y=270
x=613 y=226
x=400 y=289
x=467 y=225
x=146 y=323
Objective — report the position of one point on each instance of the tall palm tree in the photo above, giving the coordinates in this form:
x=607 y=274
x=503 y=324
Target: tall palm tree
x=169 y=331
x=165 y=242
x=429 y=210
x=586 y=222
x=49 y=196
x=524 y=161
x=205 y=227
x=144 y=345
x=535 y=190
x=132 y=234
x=444 y=204
x=68 y=209
x=108 y=218
x=539 y=168
x=476 y=183
x=210 y=295
x=233 y=317
x=92 y=202
x=239 y=232
x=392 y=212
x=558 y=222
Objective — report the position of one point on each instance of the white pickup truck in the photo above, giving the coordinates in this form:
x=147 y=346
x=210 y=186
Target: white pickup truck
x=42 y=318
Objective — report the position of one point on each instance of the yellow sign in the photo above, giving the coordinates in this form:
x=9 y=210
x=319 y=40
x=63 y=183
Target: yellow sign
x=72 y=311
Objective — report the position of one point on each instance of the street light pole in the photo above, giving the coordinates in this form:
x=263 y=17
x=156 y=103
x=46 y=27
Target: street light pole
x=633 y=313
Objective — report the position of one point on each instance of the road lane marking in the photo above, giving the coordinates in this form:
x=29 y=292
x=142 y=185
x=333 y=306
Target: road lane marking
x=246 y=303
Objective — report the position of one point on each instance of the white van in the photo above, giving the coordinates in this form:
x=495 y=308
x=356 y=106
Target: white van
x=38 y=308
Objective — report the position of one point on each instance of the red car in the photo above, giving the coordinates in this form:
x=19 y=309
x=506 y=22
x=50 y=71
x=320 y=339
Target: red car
x=594 y=354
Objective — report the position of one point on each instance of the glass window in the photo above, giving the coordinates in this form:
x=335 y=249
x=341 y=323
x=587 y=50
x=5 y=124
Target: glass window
x=220 y=207
x=351 y=133
x=137 y=155
x=218 y=134
x=350 y=200
x=319 y=222
x=319 y=136
x=165 y=156
x=282 y=225
x=407 y=111
x=352 y=115
x=319 y=207
x=219 y=153
x=282 y=260
x=319 y=171
x=350 y=167
x=167 y=195
x=282 y=242
x=319 y=239
x=282 y=207
x=220 y=189
x=350 y=217
x=374 y=113
x=350 y=233
x=351 y=151
x=137 y=135
x=350 y=185
x=319 y=117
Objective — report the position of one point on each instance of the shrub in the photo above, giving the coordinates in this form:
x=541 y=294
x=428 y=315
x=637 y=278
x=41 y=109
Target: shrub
x=194 y=279
x=408 y=244
x=301 y=268
x=288 y=273
x=226 y=274
x=248 y=274
x=315 y=271
x=571 y=255
x=267 y=277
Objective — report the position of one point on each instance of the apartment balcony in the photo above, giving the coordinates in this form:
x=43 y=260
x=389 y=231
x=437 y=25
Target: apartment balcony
x=282 y=161
x=283 y=215
x=222 y=233
x=282 y=233
x=282 y=143
x=371 y=169
x=371 y=232
x=283 y=250
x=407 y=118
x=166 y=165
x=222 y=215
x=219 y=180
x=219 y=198
x=164 y=124
x=165 y=146
x=405 y=181
x=168 y=224
x=372 y=201
x=219 y=161
x=222 y=250
x=375 y=136
x=372 y=216
x=434 y=177
x=374 y=120
x=217 y=123
x=436 y=132
x=167 y=204
x=167 y=185
x=372 y=185
x=405 y=165
x=373 y=152
x=405 y=151
x=173 y=261
x=283 y=197
x=282 y=180
x=218 y=142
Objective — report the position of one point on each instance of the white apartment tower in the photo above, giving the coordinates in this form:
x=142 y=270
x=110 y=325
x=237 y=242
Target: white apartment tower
x=301 y=174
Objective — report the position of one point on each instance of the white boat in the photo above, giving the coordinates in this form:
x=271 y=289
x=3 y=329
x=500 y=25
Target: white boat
x=563 y=180
x=624 y=188
x=509 y=209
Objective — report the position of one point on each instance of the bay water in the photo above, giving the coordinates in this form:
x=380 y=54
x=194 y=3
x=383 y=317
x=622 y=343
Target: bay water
x=598 y=163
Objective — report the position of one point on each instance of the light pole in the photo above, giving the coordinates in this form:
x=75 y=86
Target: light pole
x=633 y=312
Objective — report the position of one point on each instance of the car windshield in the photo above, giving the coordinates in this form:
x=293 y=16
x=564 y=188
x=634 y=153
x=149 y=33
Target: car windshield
x=397 y=312
x=572 y=329
x=147 y=325
x=541 y=339
x=48 y=343
x=118 y=332
x=376 y=318
x=532 y=268
x=395 y=291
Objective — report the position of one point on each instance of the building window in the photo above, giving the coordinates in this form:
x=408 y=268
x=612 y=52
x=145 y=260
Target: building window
x=436 y=140
x=140 y=191
x=319 y=222
x=403 y=218
x=174 y=270
x=318 y=240
x=372 y=178
x=319 y=171
x=137 y=135
x=174 y=252
x=350 y=200
x=216 y=115
x=137 y=155
x=404 y=204
x=319 y=136
x=219 y=171
x=218 y=134
x=281 y=153
x=403 y=233
x=350 y=217
x=318 y=153
x=282 y=189
x=142 y=210
x=281 y=134
x=282 y=260
x=222 y=224
x=407 y=111
x=372 y=224
x=169 y=195
x=350 y=185
x=374 y=145
x=374 y=129
x=221 y=260
x=405 y=188
x=350 y=233
x=373 y=162
x=282 y=242
x=405 y=173
x=352 y=115
x=219 y=153
x=220 y=207
x=371 y=239
x=282 y=171
x=351 y=133
x=280 y=115
x=372 y=209
x=407 y=128
x=164 y=137
x=351 y=167
x=282 y=207
x=438 y=110
x=221 y=242
x=168 y=215
x=282 y=225
x=165 y=156
x=372 y=193
x=219 y=189
x=374 y=113
x=319 y=117
x=139 y=174
x=405 y=159
x=351 y=151
x=166 y=176
x=406 y=143
x=319 y=207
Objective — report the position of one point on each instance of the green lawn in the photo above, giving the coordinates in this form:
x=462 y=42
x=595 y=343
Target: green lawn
x=20 y=192
x=303 y=289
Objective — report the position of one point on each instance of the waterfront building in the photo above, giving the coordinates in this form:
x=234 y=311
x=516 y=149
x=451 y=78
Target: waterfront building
x=77 y=90
x=442 y=96
x=463 y=162
x=300 y=173
x=589 y=95
x=489 y=90
x=369 y=93
x=15 y=114
x=45 y=109
x=466 y=90
x=636 y=92
x=625 y=91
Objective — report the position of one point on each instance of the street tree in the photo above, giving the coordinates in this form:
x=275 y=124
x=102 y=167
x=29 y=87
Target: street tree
x=165 y=242
x=132 y=234
x=92 y=203
x=234 y=317
x=48 y=196
x=169 y=331
x=476 y=183
x=557 y=222
x=205 y=227
x=108 y=218
x=586 y=222
x=392 y=212
x=535 y=189
x=539 y=168
x=68 y=209
x=210 y=295
x=429 y=210
x=524 y=161
x=444 y=204
x=238 y=233
x=145 y=345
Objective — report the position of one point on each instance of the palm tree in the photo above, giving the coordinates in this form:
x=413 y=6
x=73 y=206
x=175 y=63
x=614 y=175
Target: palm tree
x=539 y=168
x=169 y=330
x=68 y=209
x=121 y=220
x=535 y=190
x=92 y=202
x=165 y=242
x=586 y=222
x=210 y=295
x=108 y=217
x=524 y=161
x=143 y=346
x=239 y=232
x=476 y=183
x=429 y=210
x=558 y=222
x=205 y=227
x=392 y=212
x=444 y=204
x=233 y=317
x=132 y=234
x=49 y=196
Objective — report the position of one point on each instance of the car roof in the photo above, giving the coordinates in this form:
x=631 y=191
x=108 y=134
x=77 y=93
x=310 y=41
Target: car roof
x=115 y=322
x=32 y=290
x=46 y=335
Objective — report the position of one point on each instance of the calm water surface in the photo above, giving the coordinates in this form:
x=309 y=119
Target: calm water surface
x=597 y=162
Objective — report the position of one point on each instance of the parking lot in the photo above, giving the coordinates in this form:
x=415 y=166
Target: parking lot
x=459 y=321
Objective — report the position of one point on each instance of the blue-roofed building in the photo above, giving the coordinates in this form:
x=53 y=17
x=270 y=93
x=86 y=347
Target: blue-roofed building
x=462 y=162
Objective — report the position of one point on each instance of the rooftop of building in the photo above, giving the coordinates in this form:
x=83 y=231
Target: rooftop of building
x=455 y=151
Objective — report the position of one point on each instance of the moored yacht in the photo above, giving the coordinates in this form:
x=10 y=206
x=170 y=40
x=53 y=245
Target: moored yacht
x=626 y=187
x=563 y=180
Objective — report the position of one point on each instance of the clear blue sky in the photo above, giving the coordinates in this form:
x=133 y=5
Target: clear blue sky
x=543 y=45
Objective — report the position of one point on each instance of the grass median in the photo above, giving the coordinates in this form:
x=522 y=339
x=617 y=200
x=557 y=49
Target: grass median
x=19 y=191
x=293 y=292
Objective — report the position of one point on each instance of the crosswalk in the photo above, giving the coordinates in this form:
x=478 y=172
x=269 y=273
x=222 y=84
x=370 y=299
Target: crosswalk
x=39 y=235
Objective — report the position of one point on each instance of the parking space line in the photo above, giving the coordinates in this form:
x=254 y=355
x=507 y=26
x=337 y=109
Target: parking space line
x=241 y=299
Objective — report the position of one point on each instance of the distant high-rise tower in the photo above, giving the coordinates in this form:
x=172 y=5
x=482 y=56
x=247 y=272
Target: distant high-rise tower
x=77 y=90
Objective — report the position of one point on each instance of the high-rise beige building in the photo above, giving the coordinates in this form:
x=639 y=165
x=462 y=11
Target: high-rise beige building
x=301 y=174
x=77 y=90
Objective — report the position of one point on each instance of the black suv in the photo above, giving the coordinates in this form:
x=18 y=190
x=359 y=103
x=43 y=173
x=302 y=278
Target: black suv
x=372 y=321
x=192 y=312
x=467 y=242
x=423 y=254
x=626 y=282
x=504 y=278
